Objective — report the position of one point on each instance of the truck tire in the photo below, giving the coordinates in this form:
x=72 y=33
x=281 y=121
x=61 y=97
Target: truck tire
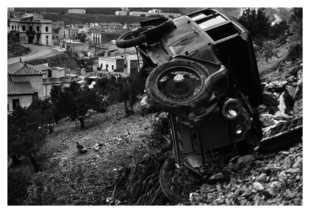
x=132 y=38
x=173 y=96
x=154 y=34
x=165 y=180
x=146 y=34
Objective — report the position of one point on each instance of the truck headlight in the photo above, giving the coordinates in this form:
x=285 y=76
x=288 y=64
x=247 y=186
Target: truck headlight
x=231 y=109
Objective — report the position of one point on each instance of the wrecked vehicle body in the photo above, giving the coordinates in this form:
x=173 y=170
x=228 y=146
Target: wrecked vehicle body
x=201 y=69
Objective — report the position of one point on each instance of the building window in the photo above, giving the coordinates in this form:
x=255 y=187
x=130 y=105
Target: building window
x=24 y=28
x=49 y=75
x=38 y=28
x=112 y=67
x=46 y=29
x=35 y=96
x=12 y=27
x=30 y=28
x=106 y=67
x=15 y=103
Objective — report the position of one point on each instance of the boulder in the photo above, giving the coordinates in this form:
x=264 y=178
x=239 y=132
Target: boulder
x=291 y=90
x=290 y=79
x=270 y=99
x=281 y=116
x=246 y=159
x=276 y=86
x=286 y=103
x=258 y=186
x=267 y=119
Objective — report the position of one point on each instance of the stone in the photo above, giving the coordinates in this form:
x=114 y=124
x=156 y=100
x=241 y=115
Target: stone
x=292 y=71
x=268 y=193
x=276 y=185
x=269 y=99
x=246 y=159
x=258 y=186
x=262 y=177
x=290 y=78
x=193 y=196
x=298 y=92
x=282 y=116
x=267 y=119
x=247 y=193
x=207 y=188
x=286 y=102
x=217 y=177
x=276 y=86
x=291 y=90
x=297 y=162
x=282 y=176
x=287 y=163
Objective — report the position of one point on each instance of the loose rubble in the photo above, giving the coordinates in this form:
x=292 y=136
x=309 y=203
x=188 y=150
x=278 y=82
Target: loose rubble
x=264 y=179
x=272 y=179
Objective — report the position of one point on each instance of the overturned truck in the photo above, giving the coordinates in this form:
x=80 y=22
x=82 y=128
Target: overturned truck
x=201 y=69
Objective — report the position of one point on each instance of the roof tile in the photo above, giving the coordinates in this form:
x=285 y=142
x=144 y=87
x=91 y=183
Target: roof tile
x=20 y=88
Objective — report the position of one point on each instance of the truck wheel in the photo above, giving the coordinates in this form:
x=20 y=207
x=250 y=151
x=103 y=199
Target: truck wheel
x=147 y=34
x=132 y=38
x=165 y=180
x=178 y=85
x=154 y=34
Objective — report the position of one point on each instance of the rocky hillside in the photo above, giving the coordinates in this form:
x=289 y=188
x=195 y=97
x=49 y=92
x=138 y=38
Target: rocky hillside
x=274 y=178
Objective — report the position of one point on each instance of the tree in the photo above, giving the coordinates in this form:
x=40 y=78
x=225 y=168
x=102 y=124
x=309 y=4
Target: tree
x=256 y=22
x=295 y=23
x=278 y=30
x=57 y=114
x=132 y=86
x=13 y=37
x=75 y=101
x=109 y=88
x=81 y=37
x=45 y=109
x=25 y=137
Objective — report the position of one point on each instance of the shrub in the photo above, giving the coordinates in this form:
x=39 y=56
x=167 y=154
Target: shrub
x=17 y=187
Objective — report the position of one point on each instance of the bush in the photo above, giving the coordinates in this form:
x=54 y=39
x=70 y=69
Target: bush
x=279 y=30
x=161 y=130
x=17 y=187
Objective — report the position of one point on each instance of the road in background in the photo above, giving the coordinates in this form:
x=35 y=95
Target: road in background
x=36 y=52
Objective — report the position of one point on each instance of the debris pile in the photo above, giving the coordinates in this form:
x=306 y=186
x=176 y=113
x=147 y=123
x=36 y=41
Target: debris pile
x=273 y=179
x=282 y=99
x=263 y=179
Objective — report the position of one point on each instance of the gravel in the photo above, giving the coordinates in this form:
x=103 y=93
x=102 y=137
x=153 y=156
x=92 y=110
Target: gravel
x=271 y=179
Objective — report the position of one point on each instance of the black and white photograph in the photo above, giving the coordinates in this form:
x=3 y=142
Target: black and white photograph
x=154 y=105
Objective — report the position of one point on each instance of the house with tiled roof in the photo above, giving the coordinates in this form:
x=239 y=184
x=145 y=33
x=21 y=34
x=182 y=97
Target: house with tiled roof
x=25 y=84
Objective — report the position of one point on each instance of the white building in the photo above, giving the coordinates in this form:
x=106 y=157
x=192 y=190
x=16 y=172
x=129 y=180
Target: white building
x=124 y=64
x=121 y=13
x=33 y=29
x=77 y=11
x=154 y=12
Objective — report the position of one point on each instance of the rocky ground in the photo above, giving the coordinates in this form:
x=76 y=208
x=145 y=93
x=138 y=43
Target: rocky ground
x=265 y=179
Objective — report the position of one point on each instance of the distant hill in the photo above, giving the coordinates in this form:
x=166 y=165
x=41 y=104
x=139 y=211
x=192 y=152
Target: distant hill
x=107 y=14
x=96 y=10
